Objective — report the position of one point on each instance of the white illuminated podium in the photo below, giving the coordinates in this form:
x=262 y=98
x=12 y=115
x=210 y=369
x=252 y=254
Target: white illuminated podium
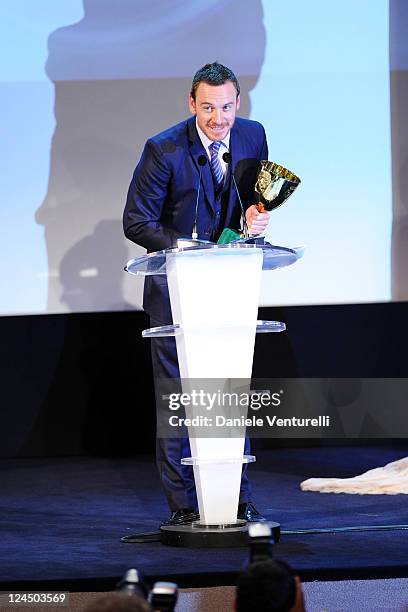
x=214 y=294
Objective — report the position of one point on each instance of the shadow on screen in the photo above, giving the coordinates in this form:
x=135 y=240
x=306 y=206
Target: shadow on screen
x=89 y=275
x=399 y=136
x=122 y=74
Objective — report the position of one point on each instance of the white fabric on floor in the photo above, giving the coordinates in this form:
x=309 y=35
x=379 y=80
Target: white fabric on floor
x=388 y=480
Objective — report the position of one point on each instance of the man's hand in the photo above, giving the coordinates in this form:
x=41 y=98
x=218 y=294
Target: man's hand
x=256 y=221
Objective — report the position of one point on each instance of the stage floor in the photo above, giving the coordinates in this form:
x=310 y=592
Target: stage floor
x=61 y=521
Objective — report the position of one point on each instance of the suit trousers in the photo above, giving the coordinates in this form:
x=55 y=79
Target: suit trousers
x=178 y=480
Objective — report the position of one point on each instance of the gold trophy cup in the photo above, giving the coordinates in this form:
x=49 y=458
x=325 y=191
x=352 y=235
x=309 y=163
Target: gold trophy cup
x=274 y=185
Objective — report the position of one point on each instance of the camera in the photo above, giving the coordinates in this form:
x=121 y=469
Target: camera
x=260 y=542
x=162 y=597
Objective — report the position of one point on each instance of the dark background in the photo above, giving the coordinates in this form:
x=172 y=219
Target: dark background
x=81 y=384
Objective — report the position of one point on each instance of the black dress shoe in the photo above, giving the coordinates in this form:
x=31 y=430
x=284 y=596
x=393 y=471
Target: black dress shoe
x=183 y=516
x=248 y=512
x=142 y=538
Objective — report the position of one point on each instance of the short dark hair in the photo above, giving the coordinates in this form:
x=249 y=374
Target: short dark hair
x=213 y=74
x=266 y=586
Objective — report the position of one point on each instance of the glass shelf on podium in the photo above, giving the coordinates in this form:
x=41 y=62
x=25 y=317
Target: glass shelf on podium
x=242 y=459
x=262 y=327
x=273 y=256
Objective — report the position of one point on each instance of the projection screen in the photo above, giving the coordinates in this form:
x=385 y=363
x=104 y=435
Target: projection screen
x=85 y=83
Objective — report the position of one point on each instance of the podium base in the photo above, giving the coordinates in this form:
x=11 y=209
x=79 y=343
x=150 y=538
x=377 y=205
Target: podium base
x=212 y=536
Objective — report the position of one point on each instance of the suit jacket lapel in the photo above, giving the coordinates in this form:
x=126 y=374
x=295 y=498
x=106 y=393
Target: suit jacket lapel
x=197 y=149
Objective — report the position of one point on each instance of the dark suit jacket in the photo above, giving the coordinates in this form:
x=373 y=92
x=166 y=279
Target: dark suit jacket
x=160 y=205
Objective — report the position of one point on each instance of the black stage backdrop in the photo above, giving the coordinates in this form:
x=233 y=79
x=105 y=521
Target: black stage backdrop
x=81 y=384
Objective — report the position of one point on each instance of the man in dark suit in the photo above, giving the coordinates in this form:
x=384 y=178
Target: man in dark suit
x=160 y=208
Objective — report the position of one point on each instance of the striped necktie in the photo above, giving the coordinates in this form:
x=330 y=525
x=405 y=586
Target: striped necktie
x=215 y=162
